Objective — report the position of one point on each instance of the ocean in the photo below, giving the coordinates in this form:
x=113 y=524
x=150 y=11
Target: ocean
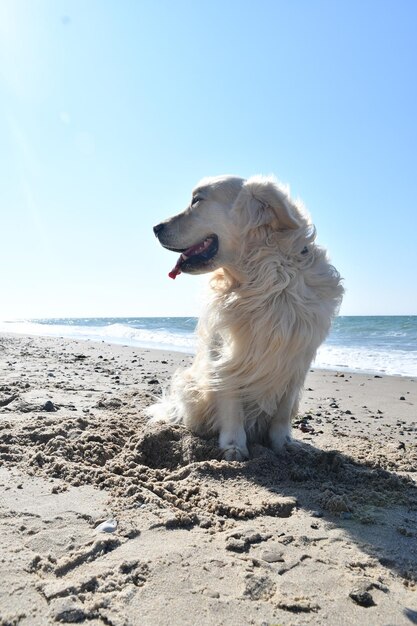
x=376 y=344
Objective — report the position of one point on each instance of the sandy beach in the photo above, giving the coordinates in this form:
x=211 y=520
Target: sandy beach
x=325 y=534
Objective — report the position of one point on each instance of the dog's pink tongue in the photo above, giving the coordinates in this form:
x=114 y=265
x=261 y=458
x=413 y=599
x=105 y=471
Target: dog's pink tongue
x=196 y=249
x=176 y=270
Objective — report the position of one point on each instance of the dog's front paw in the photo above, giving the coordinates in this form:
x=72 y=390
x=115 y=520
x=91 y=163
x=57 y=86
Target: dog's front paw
x=288 y=445
x=292 y=445
x=235 y=454
x=280 y=436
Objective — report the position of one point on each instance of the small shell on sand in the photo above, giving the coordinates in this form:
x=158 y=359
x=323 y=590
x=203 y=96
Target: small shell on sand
x=109 y=526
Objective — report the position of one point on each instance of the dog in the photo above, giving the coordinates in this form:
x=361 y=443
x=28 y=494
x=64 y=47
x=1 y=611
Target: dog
x=273 y=294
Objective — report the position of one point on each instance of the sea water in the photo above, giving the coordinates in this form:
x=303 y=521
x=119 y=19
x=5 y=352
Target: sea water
x=377 y=344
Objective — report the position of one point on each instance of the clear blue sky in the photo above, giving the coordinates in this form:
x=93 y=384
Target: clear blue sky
x=111 y=111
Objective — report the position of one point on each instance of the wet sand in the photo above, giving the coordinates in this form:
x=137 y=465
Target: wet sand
x=325 y=534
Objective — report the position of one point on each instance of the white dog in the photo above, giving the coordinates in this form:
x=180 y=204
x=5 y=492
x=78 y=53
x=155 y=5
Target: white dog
x=273 y=296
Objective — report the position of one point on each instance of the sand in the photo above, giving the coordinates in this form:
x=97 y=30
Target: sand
x=326 y=534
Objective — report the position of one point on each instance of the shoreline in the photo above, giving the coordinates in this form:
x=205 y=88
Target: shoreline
x=183 y=352
x=326 y=532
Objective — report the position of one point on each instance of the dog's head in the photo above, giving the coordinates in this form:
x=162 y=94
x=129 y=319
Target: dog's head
x=223 y=211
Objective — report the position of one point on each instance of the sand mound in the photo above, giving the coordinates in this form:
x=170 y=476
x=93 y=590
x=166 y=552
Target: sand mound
x=164 y=464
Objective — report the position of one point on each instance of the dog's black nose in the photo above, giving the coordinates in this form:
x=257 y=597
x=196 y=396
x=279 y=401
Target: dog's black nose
x=157 y=229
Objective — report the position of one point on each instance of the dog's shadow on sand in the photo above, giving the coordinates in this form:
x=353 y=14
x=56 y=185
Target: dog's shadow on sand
x=376 y=506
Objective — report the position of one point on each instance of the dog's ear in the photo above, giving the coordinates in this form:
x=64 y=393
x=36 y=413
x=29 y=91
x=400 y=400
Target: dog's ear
x=262 y=201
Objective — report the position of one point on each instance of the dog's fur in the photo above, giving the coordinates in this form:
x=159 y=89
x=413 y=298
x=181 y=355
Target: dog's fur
x=273 y=296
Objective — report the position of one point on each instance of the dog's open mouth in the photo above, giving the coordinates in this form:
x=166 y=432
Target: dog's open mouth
x=196 y=257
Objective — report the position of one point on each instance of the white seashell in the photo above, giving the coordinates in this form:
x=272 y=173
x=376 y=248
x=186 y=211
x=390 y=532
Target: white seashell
x=109 y=526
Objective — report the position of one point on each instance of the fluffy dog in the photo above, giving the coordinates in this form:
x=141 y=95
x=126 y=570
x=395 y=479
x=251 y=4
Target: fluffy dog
x=273 y=295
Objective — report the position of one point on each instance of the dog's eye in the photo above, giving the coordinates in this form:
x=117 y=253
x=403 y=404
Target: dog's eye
x=195 y=200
